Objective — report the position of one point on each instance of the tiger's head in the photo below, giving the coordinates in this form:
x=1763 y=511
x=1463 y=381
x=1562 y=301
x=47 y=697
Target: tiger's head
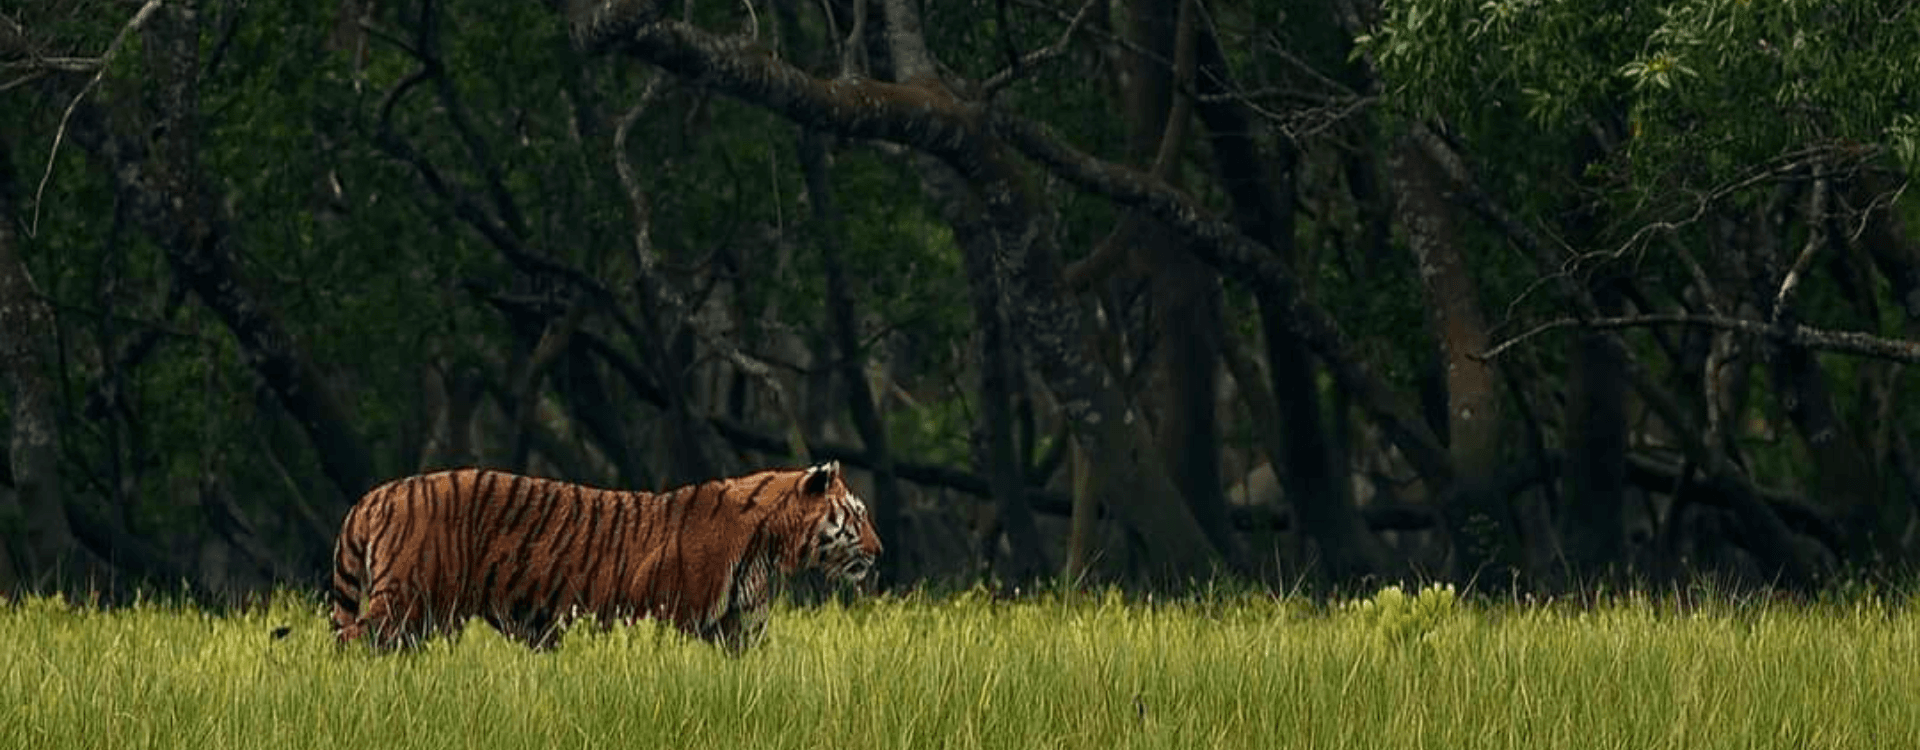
x=841 y=540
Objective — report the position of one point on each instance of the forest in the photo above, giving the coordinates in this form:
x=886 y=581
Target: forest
x=1514 y=294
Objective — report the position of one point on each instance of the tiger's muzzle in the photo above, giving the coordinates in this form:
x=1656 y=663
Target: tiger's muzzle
x=857 y=569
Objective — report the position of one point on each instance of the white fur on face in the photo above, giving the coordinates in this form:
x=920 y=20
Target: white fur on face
x=837 y=549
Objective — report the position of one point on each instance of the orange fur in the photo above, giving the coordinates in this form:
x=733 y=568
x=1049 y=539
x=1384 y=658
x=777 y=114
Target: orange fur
x=428 y=552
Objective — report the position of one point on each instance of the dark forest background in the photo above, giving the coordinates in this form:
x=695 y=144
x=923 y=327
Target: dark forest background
x=1142 y=291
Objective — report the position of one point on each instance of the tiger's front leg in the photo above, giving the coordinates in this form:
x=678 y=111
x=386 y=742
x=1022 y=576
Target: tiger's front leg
x=737 y=630
x=533 y=624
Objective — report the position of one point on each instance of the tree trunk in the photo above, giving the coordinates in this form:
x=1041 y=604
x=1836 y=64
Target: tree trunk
x=1184 y=291
x=1083 y=523
x=593 y=408
x=1481 y=523
x=1128 y=473
x=1082 y=388
x=1316 y=482
x=1887 y=240
x=458 y=391
x=999 y=375
x=47 y=551
x=161 y=181
x=1596 y=472
x=1847 y=474
x=919 y=109
x=1848 y=479
x=828 y=234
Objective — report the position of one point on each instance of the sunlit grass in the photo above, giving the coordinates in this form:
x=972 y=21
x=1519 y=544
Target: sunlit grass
x=1083 y=671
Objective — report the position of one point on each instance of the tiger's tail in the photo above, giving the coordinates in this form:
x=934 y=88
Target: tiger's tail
x=349 y=576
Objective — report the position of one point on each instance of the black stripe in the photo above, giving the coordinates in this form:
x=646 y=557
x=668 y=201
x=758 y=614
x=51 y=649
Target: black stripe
x=449 y=502
x=676 y=551
x=692 y=497
x=444 y=588
x=464 y=532
x=347 y=604
x=753 y=498
x=499 y=526
x=531 y=541
x=465 y=495
x=342 y=554
x=492 y=568
x=659 y=518
x=569 y=535
x=424 y=547
x=475 y=538
x=551 y=510
x=377 y=512
x=515 y=508
x=760 y=535
x=391 y=545
x=471 y=538
x=620 y=541
x=343 y=576
x=346 y=585
x=548 y=612
x=345 y=562
x=514 y=554
x=595 y=556
x=487 y=506
x=553 y=538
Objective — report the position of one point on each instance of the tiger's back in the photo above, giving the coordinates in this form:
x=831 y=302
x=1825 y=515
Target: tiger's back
x=429 y=552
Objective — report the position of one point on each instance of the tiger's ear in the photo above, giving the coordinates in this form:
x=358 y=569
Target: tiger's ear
x=819 y=478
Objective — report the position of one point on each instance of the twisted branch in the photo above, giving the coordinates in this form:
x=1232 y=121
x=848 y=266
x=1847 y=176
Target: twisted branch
x=1840 y=342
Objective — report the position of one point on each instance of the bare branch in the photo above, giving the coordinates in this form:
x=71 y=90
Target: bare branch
x=1033 y=59
x=1840 y=342
x=422 y=50
x=58 y=64
x=1227 y=249
x=1816 y=236
x=1112 y=252
x=642 y=207
x=659 y=298
x=744 y=436
x=106 y=58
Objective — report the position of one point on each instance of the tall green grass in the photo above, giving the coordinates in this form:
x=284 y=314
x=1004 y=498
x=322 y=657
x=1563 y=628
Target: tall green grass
x=1395 y=671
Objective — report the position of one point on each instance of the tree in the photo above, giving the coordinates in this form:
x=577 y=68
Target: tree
x=1651 y=115
x=50 y=554
x=1144 y=291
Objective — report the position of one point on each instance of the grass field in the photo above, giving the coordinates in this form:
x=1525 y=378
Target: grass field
x=1086 y=671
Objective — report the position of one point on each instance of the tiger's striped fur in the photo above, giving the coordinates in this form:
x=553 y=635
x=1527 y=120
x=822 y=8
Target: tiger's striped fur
x=428 y=552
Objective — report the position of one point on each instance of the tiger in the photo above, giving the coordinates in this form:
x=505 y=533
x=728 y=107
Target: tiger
x=527 y=554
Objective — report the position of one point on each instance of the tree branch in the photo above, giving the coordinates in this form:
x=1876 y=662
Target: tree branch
x=1381 y=517
x=1773 y=537
x=1114 y=251
x=856 y=108
x=1816 y=236
x=933 y=122
x=1236 y=255
x=1021 y=64
x=174 y=204
x=1842 y=342
x=105 y=61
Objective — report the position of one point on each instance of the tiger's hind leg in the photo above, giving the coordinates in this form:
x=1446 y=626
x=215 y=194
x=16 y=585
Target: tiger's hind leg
x=396 y=620
x=347 y=626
